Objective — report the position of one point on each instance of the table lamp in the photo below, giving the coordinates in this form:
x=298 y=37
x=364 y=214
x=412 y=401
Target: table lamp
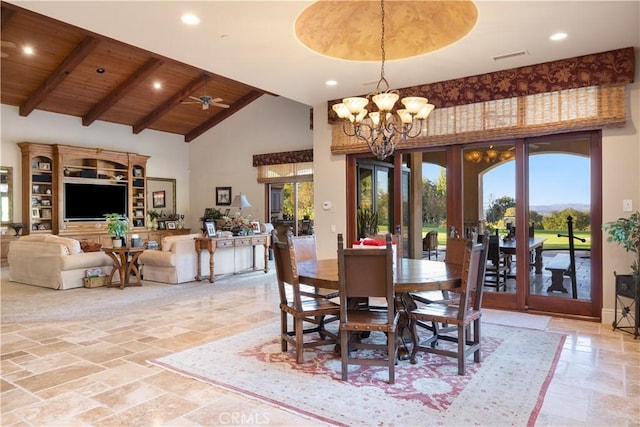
x=240 y=201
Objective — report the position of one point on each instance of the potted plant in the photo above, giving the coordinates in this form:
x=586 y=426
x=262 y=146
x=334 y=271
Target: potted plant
x=626 y=232
x=117 y=226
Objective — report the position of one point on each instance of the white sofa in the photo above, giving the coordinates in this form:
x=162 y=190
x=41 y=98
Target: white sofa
x=175 y=263
x=53 y=262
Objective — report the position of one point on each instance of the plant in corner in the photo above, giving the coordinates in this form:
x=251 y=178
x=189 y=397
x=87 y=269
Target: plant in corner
x=117 y=226
x=626 y=232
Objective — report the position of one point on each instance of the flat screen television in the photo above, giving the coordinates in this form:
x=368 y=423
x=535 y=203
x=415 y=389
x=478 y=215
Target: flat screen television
x=89 y=202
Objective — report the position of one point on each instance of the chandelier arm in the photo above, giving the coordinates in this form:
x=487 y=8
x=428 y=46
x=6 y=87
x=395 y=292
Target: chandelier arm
x=345 y=128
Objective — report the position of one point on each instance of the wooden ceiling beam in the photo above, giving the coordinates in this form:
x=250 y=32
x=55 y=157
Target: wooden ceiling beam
x=59 y=75
x=169 y=104
x=7 y=14
x=118 y=93
x=234 y=108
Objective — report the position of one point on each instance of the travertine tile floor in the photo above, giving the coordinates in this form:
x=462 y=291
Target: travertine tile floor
x=94 y=372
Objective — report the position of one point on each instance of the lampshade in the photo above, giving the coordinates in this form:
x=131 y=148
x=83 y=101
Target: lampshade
x=240 y=201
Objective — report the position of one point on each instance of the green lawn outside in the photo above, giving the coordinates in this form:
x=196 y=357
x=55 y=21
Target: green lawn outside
x=552 y=242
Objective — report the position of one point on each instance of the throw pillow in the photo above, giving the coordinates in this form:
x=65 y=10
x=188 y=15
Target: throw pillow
x=90 y=246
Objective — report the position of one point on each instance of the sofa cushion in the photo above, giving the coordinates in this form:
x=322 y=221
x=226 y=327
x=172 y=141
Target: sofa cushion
x=33 y=238
x=72 y=245
x=168 y=241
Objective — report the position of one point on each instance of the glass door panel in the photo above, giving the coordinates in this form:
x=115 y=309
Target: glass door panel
x=434 y=203
x=560 y=212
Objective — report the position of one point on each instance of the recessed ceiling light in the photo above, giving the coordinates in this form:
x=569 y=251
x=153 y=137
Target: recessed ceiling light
x=190 y=19
x=558 y=36
x=157 y=85
x=28 y=50
x=331 y=83
x=100 y=70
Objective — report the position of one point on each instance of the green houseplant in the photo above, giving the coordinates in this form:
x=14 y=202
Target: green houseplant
x=367 y=222
x=117 y=226
x=626 y=232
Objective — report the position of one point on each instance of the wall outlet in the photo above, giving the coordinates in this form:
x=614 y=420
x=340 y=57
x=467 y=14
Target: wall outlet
x=627 y=205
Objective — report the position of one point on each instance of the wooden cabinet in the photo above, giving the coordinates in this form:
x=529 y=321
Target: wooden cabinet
x=51 y=170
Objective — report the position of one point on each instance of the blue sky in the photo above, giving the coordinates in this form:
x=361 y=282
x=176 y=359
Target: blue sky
x=555 y=178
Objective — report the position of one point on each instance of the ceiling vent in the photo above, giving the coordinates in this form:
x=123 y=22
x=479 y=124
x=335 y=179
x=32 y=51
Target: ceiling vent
x=510 y=55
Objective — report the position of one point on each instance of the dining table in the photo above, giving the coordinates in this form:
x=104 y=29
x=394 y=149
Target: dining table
x=410 y=275
x=535 y=246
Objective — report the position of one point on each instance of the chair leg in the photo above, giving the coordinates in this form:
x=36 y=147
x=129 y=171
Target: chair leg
x=391 y=349
x=299 y=340
x=283 y=331
x=413 y=327
x=477 y=355
x=344 y=353
x=462 y=339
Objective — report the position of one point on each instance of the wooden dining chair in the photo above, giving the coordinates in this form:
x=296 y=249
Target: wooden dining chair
x=463 y=315
x=454 y=254
x=303 y=311
x=498 y=265
x=366 y=274
x=430 y=244
x=306 y=250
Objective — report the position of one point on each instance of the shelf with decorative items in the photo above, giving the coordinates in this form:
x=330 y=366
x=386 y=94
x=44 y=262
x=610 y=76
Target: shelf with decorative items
x=39 y=188
x=137 y=190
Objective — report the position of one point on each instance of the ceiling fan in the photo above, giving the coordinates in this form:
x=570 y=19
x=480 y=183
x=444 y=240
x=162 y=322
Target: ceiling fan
x=6 y=44
x=206 y=100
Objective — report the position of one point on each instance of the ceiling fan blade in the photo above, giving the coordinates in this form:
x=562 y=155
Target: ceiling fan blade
x=216 y=104
x=7 y=44
x=190 y=102
x=195 y=98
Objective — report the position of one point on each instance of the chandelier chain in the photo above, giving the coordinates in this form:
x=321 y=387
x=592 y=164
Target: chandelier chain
x=383 y=53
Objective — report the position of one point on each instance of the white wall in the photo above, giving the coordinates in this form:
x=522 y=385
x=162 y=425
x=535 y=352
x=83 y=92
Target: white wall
x=169 y=153
x=223 y=156
x=621 y=180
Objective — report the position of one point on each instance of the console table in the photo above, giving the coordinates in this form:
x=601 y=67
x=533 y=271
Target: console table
x=211 y=244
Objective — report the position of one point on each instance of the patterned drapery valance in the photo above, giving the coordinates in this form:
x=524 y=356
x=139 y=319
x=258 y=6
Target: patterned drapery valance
x=300 y=156
x=598 y=69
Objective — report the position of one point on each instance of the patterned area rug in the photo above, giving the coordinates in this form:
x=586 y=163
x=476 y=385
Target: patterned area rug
x=507 y=388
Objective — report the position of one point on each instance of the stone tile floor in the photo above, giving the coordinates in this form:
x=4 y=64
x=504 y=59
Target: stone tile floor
x=94 y=372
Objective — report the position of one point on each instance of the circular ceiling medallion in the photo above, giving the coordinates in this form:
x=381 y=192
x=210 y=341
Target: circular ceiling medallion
x=351 y=29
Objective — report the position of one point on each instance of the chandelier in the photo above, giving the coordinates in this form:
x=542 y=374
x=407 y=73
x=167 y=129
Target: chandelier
x=491 y=155
x=381 y=129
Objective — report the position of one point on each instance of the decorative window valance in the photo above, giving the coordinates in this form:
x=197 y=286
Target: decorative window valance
x=287 y=172
x=284 y=157
x=598 y=69
x=533 y=115
x=546 y=98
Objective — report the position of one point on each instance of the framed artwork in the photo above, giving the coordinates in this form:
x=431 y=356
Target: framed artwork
x=223 y=196
x=211 y=229
x=45 y=213
x=159 y=199
x=255 y=226
x=171 y=225
x=44 y=166
x=227 y=212
x=162 y=225
x=35 y=213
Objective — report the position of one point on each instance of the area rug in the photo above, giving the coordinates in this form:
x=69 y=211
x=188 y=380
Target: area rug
x=507 y=388
x=512 y=318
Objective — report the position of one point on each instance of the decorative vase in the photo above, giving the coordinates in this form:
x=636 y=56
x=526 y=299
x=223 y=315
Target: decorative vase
x=154 y=224
x=148 y=222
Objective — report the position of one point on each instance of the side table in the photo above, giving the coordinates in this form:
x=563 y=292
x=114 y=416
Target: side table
x=627 y=306
x=124 y=262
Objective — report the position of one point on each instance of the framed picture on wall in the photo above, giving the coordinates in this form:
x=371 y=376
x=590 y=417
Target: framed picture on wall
x=171 y=225
x=223 y=196
x=159 y=199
